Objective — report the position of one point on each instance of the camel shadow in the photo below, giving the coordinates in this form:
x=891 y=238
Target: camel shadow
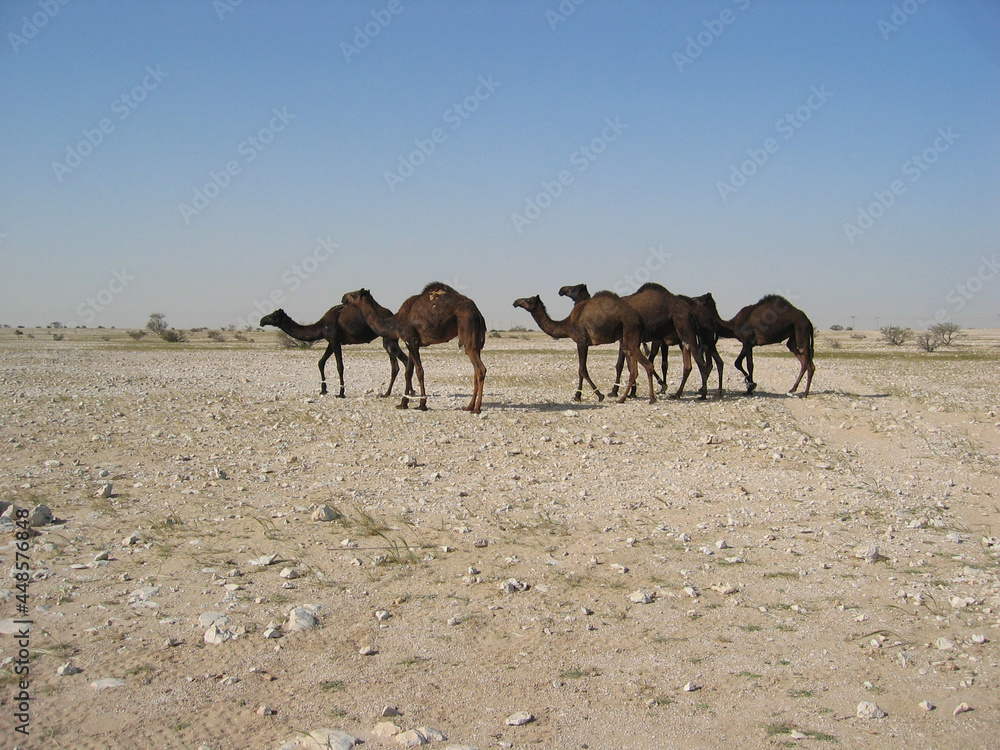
x=546 y=406
x=734 y=395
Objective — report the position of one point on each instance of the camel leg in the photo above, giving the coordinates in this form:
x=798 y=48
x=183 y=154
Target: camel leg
x=718 y=363
x=418 y=366
x=806 y=367
x=338 y=353
x=478 y=381
x=581 y=354
x=633 y=372
x=619 y=366
x=746 y=355
x=408 y=376
x=396 y=356
x=686 y=359
x=647 y=365
x=322 y=368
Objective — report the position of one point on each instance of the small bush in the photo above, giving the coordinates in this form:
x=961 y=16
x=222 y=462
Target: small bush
x=58 y=336
x=836 y=327
x=928 y=341
x=833 y=343
x=136 y=335
x=216 y=336
x=173 y=336
x=895 y=335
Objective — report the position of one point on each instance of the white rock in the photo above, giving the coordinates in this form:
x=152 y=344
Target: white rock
x=410 y=738
x=868 y=710
x=927 y=705
x=519 y=719
x=978 y=639
x=512 y=586
x=382 y=615
x=107 y=684
x=300 y=618
x=640 y=597
x=368 y=651
x=289 y=573
x=408 y=460
x=431 y=735
x=216 y=636
x=322 y=739
x=41 y=516
x=68 y=669
x=208 y=619
x=689 y=687
x=961 y=708
x=106 y=491
x=386 y=729
x=944 y=644
x=265 y=710
x=325 y=513
x=870 y=554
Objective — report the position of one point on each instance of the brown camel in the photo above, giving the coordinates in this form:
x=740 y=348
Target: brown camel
x=665 y=317
x=710 y=327
x=601 y=319
x=436 y=315
x=340 y=325
x=773 y=320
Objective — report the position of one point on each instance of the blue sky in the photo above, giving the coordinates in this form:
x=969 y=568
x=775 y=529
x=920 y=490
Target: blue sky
x=845 y=154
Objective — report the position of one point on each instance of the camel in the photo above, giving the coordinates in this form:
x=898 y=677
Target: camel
x=773 y=320
x=665 y=317
x=710 y=327
x=436 y=315
x=340 y=325
x=601 y=319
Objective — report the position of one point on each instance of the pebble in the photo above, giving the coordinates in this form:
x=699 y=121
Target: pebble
x=961 y=708
x=869 y=554
x=944 y=644
x=389 y=712
x=216 y=636
x=520 y=719
x=690 y=687
x=68 y=669
x=640 y=597
x=289 y=573
x=927 y=705
x=106 y=491
x=868 y=710
x=207 y=619
x=368 y=651
x=265 y=710
x=513 y=586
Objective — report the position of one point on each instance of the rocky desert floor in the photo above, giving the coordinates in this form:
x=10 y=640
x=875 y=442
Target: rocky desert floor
x=751 y=571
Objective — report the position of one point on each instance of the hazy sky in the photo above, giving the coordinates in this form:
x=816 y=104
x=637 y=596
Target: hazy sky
x=201 y=158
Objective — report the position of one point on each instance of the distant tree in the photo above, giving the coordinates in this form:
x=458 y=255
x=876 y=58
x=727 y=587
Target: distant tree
x=947 y=332
x=895 y=335
x=57 y=324
x=836 y=327
x=928 y=341
x=216 y=336
x=157 y=323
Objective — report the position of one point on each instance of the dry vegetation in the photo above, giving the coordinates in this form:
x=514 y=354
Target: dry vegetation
x=740 y=520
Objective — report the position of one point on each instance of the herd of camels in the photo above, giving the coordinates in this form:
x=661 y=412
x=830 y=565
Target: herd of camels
x=652 y=315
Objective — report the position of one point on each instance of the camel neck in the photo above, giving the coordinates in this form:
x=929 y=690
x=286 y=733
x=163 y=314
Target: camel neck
x=554 y=328
x=311 y=332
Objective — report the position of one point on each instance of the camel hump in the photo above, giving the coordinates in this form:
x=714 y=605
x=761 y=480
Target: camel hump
x=607 y=293
x=651 y=286
x=774 y=298
x=437 y=289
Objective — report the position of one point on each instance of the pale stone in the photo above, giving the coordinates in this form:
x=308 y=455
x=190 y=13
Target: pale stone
x=868 y=710
x=520 y=719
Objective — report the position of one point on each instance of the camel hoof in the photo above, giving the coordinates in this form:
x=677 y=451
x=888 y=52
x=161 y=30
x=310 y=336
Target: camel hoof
x=341 y=395
x=403 y=405
x=751 y=387
x=577 y=397
x=652 y=399
x=674 y=396
x=600 y=398
x=422 y=407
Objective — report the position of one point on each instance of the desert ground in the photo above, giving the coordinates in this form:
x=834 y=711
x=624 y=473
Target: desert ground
x=751 y=571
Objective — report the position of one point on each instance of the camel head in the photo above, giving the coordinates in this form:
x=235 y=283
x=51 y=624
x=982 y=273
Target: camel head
x=274 y=319
x=576 y=292
x=354 y=298
x=529 y=303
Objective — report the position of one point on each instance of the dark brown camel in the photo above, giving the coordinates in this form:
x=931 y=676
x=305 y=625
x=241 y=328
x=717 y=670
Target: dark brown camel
x=665 y=317
x=436 y=315
x=773 y=320
x=601 y=319
x=342 y=324
x=710 y=327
